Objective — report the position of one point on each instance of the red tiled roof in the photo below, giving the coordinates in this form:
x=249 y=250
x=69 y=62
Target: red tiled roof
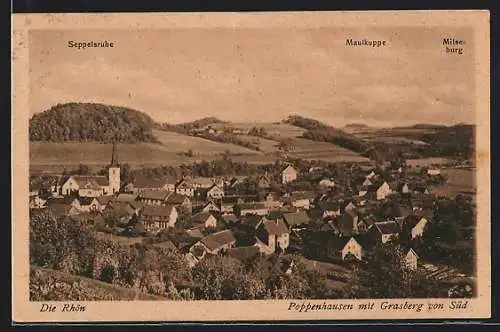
x=387 y=227
x=219 y=239
x=154 y=194
x=275 y=227
x=126 y=197
x=176 y=199
x=200 y=218
x=157 y=211
x=296 y=218
x=99 y=180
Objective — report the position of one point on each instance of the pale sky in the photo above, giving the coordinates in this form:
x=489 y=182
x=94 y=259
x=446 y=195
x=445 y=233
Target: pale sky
x=249 y=74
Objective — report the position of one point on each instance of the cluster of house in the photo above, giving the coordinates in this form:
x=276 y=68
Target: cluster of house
x=213 y=209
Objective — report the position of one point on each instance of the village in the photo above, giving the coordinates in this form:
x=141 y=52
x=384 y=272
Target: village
x=302 y=211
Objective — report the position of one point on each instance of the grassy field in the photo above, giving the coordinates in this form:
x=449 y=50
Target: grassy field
x=53 y=157
x=175 y=142
x=50 y=156
x=277 y=130
x=307 y=149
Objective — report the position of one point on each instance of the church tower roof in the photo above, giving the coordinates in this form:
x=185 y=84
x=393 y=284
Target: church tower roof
x=114 y=157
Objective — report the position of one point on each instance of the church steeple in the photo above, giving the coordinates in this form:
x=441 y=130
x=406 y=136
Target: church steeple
x=114 y=159
x=114 y=172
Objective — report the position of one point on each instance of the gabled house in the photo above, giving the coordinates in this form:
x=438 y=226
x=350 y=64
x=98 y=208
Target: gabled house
x=250 y=221
x=367 y=183
x=93 y=218
x=371 y=175
x=203 y=220
x=288 y=174
x=62 y=210
x=343 y=247
x=236 y=181
x=214 y=192
x=126 y=197
x=263 y=181
x=136 y=206
x=67 y=200
x=211 y=207
x=383 y=191
x=195 y=233
x=226 y=208
x=411 y=259
x=36 y=202
x=330 y=227
x=157 y=218
x=88 y=204
x=347 y=223
x=405 y=188
x=301 y=199
x=185 y=187
x=384 y=231
x=181 y=202
x=398 y=212
x=104 y=201
x=201 y=182
x=330 y=209
x=362 y=191
x=153 y=197
x=90 y=188
x=214 y=244
x=271 y=234
x=120 y=211
x=259 y=208
x=296 y=219
x=415 y=226
x=366 y=222
x=141 y=183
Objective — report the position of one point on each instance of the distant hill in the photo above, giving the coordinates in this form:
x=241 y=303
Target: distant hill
x=318 y=131
x=423 y=126
x=91 y=122
x=188 y=126
x=356 y=125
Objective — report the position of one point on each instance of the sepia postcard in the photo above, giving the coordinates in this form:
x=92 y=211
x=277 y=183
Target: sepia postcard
x=202 y=167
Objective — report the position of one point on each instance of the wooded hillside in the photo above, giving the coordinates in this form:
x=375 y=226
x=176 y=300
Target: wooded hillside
x=91 y=122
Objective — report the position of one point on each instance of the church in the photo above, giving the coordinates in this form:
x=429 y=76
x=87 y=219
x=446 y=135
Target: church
x=94 y=185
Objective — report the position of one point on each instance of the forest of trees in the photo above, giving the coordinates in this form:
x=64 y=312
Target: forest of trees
x=91 y=122
x=318 y=131
x=454 y=141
